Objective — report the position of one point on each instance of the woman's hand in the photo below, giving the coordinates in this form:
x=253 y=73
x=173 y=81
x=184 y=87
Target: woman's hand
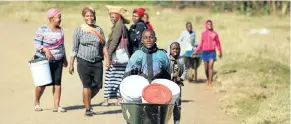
x=48 y=54
x=220 y=55
x=108 y=63
x=71 y=69
x=71 y=66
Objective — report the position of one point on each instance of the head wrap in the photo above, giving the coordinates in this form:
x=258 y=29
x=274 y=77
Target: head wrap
x=89 y=9
x=52 y=12
x=139 y=11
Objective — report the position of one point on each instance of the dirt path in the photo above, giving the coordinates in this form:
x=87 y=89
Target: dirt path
x=200 y=106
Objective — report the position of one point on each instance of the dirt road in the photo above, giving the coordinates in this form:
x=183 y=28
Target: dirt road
x=200 y=106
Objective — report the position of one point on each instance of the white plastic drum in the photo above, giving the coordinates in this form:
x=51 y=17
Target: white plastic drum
x=41 y=72
x=175 y=89
x=131 y=88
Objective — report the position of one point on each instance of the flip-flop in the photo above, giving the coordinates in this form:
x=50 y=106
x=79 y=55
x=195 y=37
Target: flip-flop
x=37 y=108
x=59 y=109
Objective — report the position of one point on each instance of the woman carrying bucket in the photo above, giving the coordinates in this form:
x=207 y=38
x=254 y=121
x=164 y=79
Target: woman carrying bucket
x=88 y=48
x=119 y=51
x=49 y=43
x=150 y=61
x=209 y=41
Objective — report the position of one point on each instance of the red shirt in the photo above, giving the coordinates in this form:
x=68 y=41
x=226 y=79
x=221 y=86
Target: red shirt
x=149 y=26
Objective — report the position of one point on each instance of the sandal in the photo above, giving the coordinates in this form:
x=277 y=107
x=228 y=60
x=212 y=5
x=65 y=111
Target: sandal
x=59 y=109
x=37 y=108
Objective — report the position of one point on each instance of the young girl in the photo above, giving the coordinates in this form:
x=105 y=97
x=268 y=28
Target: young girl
x=178 y=74
x=209 y=41
x=149 y=61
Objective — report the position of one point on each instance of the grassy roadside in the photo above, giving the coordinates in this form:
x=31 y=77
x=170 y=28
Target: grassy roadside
x=253 y=75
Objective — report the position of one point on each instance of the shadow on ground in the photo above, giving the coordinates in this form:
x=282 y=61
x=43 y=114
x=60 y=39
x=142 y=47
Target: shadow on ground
x=198 y=81
x=187 y=101
x=76 y=107
x=109 y=112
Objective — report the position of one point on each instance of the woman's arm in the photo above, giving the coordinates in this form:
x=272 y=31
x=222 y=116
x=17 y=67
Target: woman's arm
x=199 y=48
x=76 y=43
x=38 y=40
x=115 y=38
x=106 y=57
x=218 y=44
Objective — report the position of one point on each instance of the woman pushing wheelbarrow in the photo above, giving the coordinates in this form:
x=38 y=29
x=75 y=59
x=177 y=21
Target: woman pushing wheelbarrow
x=188 y=45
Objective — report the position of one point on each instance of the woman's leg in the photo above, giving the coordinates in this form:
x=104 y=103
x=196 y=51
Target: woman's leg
x=94 y=92
x=38 y=93
x=84 y=69
x=210 y=68
x=87 y=98
x=56 y=71
x=57 y=95
x=206 y=72
x=121 y=70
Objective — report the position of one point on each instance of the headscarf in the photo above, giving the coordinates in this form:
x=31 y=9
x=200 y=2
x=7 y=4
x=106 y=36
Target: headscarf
x=89 y=9
x=139 y=11
x=52 y=12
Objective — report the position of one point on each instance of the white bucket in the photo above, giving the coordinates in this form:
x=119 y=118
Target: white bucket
x=41 y=72
x=131 y=88
x=175 y=89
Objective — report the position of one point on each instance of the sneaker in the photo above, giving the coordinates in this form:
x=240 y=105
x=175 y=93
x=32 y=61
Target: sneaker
x=88 y=113
x=91 y=110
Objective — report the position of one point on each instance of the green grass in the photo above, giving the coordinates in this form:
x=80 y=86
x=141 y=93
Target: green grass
x=255 y=69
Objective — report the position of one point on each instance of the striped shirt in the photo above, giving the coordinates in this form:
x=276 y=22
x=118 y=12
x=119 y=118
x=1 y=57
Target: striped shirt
x=54 y=41
x=86 y=45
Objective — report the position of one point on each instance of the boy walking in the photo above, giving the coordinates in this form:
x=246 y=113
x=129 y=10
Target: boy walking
x=178 y=74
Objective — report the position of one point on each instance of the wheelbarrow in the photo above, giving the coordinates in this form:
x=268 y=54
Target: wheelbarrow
x=192 y=63
x=145 y=113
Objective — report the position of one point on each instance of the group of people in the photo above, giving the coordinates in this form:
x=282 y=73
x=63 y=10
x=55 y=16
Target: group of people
x=127 y=52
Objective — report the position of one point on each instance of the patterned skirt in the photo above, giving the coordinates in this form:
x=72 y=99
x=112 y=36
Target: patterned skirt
x=113 y=78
